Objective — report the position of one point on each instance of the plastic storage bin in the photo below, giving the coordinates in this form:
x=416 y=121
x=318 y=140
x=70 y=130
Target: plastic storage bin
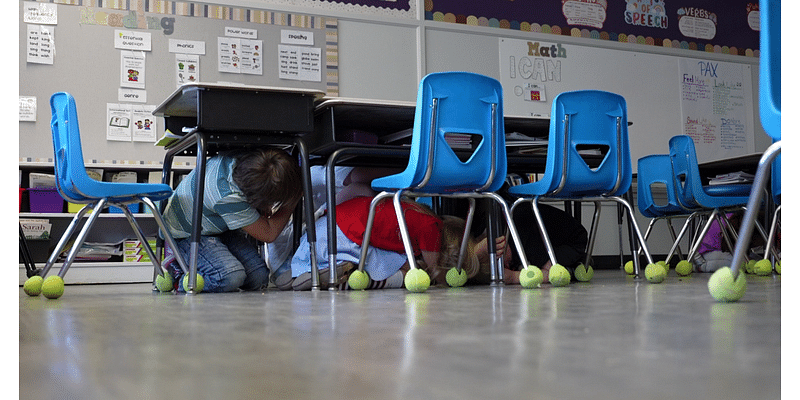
x=115 y=210
x=45 y=200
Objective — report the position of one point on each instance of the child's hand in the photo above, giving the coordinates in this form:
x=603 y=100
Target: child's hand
x=500 y=246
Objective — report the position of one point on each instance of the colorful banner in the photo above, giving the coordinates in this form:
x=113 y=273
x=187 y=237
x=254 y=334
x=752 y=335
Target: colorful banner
x=726 y=27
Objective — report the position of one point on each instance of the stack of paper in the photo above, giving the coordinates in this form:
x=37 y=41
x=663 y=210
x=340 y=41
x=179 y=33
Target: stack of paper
x=732 y=177
x=458 y=141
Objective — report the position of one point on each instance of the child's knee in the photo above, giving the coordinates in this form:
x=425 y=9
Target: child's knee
x=231 y=281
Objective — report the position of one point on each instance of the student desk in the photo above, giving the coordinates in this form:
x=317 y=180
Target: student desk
x=338 y=120
x=216 y=117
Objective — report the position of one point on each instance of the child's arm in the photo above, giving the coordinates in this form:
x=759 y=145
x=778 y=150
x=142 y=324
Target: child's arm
x=266 y=229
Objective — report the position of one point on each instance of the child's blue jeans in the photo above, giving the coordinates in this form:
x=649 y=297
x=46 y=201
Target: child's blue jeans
x=227 y=262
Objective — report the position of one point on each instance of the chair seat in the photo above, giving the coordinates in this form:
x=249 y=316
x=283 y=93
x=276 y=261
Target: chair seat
x=728 y=190
x=121 y=192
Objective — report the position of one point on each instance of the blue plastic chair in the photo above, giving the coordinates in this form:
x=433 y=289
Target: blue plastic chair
x=76 y=186
x=716 y=200
x=655 y=172
x=582 y=120
x=769 y=100
x=449 y=103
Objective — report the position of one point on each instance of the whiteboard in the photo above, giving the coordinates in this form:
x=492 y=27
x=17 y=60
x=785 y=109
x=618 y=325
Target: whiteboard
x=533 y=72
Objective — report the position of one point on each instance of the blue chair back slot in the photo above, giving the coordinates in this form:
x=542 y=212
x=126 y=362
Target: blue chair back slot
x=770 y=68
x=462 y=104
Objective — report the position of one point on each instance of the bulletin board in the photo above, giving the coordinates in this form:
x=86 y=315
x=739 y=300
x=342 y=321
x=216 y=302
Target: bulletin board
x=94 y=56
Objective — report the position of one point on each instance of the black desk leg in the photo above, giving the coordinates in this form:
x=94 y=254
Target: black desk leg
x=197 y=213
x=308 y=195
x=330 y=186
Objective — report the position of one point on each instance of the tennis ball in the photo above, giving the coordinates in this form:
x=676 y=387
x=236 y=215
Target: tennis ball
x=53 y=287
x=723 y=287
x=417 y=280
x=33 y=286
x=164 y=282
x=358 y=280
x=778 y=267
x=749 y=266
x=456 y=279
x=654 y=273
x=531 y=277
x=664 y=265
x=199 y=284
x=762 y=267
x=559 y=276
x=629 y=267
x=684 y=268
x=583 y=273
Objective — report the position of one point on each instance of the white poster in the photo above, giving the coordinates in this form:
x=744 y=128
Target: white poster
x=118 y=117
x=716 y=107
x=27 y=108
x=40 y=13
x=300 y=63
x=187 y=68
x=41 y=44
x=132 y=40
x=132 y=69
x=144 y=123
x=239 y=56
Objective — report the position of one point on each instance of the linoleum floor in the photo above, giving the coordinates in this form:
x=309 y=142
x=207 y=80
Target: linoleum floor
x=614 y=338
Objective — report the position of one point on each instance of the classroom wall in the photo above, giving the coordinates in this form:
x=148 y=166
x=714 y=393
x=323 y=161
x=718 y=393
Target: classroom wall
x=382 y=54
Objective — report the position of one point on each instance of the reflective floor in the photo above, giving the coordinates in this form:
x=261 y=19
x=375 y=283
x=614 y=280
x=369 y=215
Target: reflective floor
x=613 y=338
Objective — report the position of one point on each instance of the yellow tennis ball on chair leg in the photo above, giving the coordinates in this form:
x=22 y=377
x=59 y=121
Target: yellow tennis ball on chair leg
x=762 y=267
x=723 y=287
x=164 y=282
x=684 y=268
x=583 y=273
x=53 y=287
x=531 y=277
x=629 y=267
x=33 y=286
x=455 y=278
x=199 y=284
x=655 y=273
x=558 y=275
x=417 y=280
x=358 y=280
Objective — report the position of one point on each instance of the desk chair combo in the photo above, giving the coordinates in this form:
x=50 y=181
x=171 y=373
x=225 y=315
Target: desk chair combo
x=76 y=186
x=728 y=284
x=448 y=103
x=580 y=120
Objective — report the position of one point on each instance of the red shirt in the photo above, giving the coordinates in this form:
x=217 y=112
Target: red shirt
x=424 y=229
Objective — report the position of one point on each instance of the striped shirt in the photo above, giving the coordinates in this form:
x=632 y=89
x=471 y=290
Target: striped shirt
x=224 y=205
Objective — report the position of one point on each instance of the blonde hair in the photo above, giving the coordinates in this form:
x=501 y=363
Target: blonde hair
x=452 y=233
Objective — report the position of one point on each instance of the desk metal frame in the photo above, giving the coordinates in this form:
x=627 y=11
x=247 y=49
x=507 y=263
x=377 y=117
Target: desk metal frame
x=231 y=116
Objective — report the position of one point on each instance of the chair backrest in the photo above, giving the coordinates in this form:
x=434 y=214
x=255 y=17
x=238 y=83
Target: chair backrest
x=770 y=67
x=70 y=169
x=455 y=107
x=656 y=171
x=581 y=121
x=685 y=169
